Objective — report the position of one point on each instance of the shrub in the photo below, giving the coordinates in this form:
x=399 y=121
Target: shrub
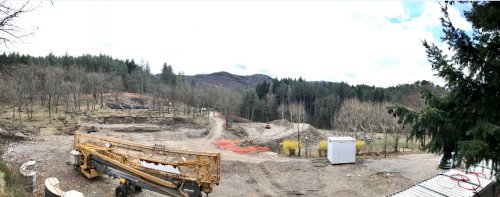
x=323 y=144
x=322 y=148
x=290 y=146
x=359 y=144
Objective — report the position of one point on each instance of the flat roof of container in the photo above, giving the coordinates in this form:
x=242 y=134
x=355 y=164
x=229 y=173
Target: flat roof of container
x=341 y=139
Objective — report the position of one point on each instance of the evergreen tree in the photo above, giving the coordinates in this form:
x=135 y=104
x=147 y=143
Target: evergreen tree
x=466 y=120
x=167 y=74
x=131 y=66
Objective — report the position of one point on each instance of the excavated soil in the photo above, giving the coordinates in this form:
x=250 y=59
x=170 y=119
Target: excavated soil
x=143 y=127
x=280 y=129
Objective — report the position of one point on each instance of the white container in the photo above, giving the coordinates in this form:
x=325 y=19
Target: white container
x=341 y=150
x=74 y=157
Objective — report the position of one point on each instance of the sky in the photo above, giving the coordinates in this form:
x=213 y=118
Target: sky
x=360 y=42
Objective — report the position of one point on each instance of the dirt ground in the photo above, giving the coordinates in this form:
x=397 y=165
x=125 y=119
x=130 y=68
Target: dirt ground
x=257 y=174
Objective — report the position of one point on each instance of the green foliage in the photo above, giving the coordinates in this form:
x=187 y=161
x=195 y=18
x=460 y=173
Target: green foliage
x=167 y=75
x=134 y=77
x=323 y=99
x=359 y=145
x=13 y=186
x=262 y=89
x=467 y=119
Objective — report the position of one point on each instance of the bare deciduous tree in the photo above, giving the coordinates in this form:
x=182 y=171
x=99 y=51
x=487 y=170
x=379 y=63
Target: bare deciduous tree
x=299 y=110
x=10 y=32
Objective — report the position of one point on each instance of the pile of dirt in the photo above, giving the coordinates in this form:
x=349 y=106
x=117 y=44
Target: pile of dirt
x=122 y=119
x=124 y=127
x=240 y=119
x=282 y=122
x=127 y=119
x=312 y=134
x=125 y=106
x=236 y=132
x=11 y=128
x=125 y=102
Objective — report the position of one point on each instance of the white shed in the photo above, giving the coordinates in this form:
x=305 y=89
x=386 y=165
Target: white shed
x=341 y=150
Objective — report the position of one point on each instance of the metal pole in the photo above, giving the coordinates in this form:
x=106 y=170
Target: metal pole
x=385 y=144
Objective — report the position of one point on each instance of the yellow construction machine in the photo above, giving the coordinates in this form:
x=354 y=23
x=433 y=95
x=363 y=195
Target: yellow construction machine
x=156 y=168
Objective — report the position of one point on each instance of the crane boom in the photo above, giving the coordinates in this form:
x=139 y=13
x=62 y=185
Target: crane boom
x=165 y=170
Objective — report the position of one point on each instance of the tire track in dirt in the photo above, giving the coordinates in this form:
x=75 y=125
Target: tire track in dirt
x=251 y=181
x=270 y=178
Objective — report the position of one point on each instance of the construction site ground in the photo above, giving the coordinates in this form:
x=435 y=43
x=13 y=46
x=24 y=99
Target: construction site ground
x=255 y=174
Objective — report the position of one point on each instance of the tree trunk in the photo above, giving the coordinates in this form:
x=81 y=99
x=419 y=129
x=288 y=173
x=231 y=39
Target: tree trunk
x=79 y=103
x=283 y=113
x=94 y=101
x=253 y=113
x=371 y=138
x=50 y=111
x=31 y=111
x=75 y=101
x=56 y=102
x=19 y=113
x=159 y=107
x=396 y=139
x=27 y=110
x=298 y=134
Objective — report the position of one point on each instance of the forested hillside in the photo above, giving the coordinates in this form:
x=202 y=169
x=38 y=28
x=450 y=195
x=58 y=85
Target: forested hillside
x=320 y=101
x=70 y=81
x=229 y=80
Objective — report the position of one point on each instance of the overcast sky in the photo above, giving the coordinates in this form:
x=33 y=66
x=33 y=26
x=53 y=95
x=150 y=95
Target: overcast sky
x=359 y=42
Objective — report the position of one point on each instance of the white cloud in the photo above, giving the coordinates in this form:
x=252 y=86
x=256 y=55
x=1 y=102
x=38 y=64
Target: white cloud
x=320 y=40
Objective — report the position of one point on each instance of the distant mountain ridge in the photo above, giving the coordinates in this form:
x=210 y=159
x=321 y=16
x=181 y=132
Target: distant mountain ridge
x=227 y=79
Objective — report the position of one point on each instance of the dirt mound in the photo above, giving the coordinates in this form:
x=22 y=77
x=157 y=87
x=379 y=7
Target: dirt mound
x=236 y=132
x=11 y=128
x=125 y=127
x=127 y=101
x=280 y=129
x=122 y=119
x=282 y=122
x=239 y=146
x=240 y=119
x=312 y=134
